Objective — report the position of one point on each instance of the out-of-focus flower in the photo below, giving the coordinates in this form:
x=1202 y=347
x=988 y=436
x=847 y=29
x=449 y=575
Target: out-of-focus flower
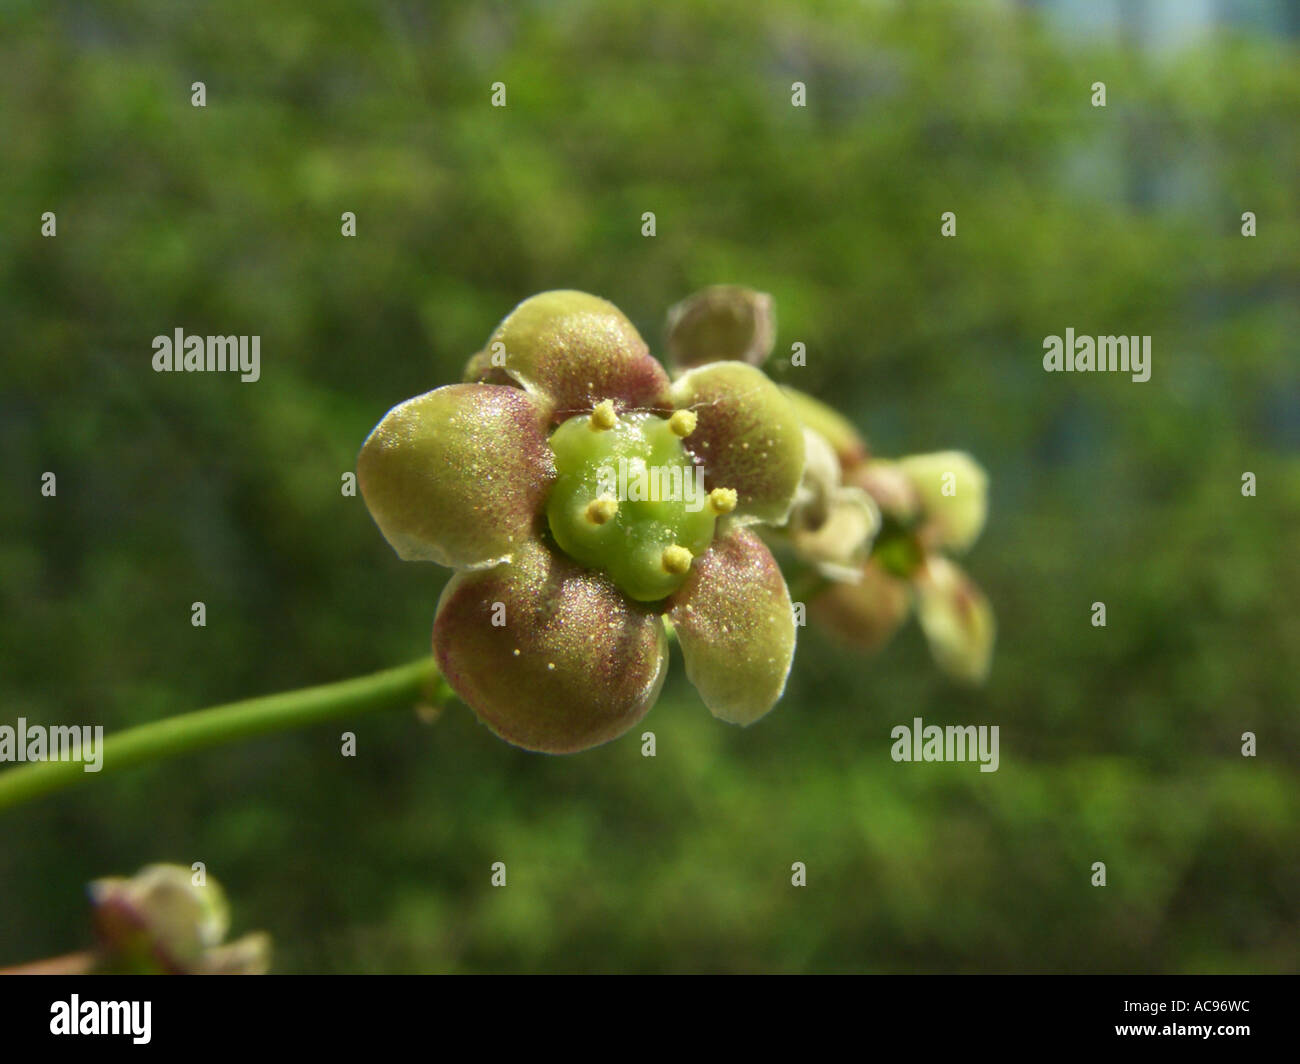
x=161 y=921
x=536 y=481
x=931 y=505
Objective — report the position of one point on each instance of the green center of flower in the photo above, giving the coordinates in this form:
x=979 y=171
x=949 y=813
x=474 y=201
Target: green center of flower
x=630 y=501
x=896 y=549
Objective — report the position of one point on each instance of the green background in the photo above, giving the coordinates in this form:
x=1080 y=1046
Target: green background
x=1119 y=744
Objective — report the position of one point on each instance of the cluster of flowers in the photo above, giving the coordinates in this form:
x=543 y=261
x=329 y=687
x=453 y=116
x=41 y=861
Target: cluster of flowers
x=554 y=629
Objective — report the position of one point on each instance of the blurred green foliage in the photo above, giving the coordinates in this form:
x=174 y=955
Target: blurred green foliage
x=1118 y=744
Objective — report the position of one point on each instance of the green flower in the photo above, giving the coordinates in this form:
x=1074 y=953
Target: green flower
x=582 y=497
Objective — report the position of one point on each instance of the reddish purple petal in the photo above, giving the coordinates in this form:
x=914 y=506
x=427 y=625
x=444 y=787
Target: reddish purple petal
x=747 y=435
x=573 y=350
x=551 y=657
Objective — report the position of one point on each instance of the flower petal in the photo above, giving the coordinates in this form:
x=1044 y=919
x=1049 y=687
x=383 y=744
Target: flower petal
x=849 y=446
x=865 y=614
x=953 y=488
x=457 y=475
x=722 y=323
x=249 y=955
x=957 y=620
x=890 y=488
x=746 y=434
x=550 y=656
x=830 y=525
x=735 y=624
x=573 y=350
x=485 y=368
x=818 y=484
x=842 y=538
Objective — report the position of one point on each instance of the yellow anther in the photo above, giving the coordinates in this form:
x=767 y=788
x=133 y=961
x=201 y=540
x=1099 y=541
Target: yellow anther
x=601 y=510
x=682 y=423
x=604 y=416
x=722 y=500
x=677 y=559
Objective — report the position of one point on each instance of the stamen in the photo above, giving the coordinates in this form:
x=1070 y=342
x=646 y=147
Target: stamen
x=601 y=510
x=682 y=423
x=604 y=416
x=677 y=559
x=722 y=500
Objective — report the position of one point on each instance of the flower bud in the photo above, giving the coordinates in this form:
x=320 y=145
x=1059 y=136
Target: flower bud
x=724 y=323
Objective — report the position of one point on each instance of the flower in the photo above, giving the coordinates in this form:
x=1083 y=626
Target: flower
x=931 y=505
x=161 y=921
x=536 y=481
x=830 y=524
x=877 y=532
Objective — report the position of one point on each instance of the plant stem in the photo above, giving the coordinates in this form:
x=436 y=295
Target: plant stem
x=68 y=964
x=393 y=688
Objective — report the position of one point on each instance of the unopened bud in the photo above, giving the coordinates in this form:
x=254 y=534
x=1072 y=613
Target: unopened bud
x=725 y=323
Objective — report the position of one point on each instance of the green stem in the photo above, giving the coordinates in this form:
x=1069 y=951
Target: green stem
x=391 y=689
